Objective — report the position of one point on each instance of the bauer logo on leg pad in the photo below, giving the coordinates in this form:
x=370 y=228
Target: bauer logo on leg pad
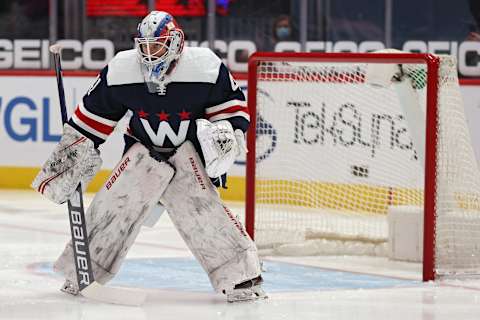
x=117 y=172
x=235 y=221
x=198 y=176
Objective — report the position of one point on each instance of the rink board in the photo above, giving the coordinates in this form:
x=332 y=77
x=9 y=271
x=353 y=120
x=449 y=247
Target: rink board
x=31 y=127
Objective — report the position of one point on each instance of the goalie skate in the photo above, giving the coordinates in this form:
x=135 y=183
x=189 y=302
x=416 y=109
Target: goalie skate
x=69 y=287
x=247 y=291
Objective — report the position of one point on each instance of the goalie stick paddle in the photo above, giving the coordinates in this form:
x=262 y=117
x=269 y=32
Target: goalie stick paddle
x=87 y=285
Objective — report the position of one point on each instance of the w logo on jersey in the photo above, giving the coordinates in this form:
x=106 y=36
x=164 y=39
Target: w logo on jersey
x=165 y=130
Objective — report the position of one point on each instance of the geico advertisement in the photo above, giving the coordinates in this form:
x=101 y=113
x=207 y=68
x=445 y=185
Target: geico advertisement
x=95 y=53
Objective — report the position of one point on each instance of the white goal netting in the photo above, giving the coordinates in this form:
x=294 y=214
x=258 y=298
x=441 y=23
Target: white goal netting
x=335 y=150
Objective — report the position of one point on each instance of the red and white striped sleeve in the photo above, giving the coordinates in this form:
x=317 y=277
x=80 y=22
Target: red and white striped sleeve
x=98 y=126
x=227 y=101
x=98 y=113
x=228 y=109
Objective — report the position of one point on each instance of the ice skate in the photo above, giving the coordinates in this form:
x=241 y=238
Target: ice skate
x=69 y=287
x=247 y=291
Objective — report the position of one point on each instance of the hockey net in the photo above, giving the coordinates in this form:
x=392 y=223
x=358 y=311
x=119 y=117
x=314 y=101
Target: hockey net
x=343 y=138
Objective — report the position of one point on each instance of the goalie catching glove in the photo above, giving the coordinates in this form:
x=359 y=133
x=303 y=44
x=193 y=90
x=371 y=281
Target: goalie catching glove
x=220 y=145
x=75 y=160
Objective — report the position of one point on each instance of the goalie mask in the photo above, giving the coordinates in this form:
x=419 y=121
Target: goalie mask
x=159 y=44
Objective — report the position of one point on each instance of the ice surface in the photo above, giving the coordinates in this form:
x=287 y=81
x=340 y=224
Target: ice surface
x=33 y=233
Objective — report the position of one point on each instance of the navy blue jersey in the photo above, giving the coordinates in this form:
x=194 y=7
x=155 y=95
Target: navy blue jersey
x=200 y=86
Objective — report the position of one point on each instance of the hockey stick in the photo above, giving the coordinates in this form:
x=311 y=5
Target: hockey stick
x=87 y=285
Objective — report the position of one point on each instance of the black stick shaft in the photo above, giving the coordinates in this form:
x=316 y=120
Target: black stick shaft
x=76 y=211
x=61 y=92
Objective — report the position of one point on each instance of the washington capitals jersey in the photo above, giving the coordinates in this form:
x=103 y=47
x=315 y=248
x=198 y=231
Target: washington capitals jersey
x=200 y=86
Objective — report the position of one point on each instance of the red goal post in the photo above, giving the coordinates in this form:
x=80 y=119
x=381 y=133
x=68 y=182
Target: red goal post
x=261 y=62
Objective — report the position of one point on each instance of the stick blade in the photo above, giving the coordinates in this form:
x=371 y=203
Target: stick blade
x=121 y=296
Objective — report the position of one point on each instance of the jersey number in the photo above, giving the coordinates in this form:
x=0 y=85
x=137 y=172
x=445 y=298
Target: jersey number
x=94 y=85
x=233 y=83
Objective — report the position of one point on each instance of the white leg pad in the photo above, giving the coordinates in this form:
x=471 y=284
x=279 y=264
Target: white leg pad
x=154 y=215
x=212 y=232
x=117 y=212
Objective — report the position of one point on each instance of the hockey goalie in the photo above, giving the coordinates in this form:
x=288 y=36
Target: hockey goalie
x=187 y=120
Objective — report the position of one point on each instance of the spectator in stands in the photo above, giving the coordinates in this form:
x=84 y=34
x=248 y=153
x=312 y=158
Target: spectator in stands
x=474 y=34
x=282 y=30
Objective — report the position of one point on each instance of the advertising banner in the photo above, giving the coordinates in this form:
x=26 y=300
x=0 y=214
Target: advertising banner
x=350 y=135
x=30 y=126
x=31 y=121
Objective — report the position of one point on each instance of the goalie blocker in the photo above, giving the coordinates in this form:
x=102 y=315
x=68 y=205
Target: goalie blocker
x=212 y=232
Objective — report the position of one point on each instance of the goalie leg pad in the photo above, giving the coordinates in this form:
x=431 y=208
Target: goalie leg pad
x=117 y=212
x=212 y=232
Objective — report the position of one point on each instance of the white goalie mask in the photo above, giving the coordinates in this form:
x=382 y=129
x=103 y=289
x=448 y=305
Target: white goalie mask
x=159 y=44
